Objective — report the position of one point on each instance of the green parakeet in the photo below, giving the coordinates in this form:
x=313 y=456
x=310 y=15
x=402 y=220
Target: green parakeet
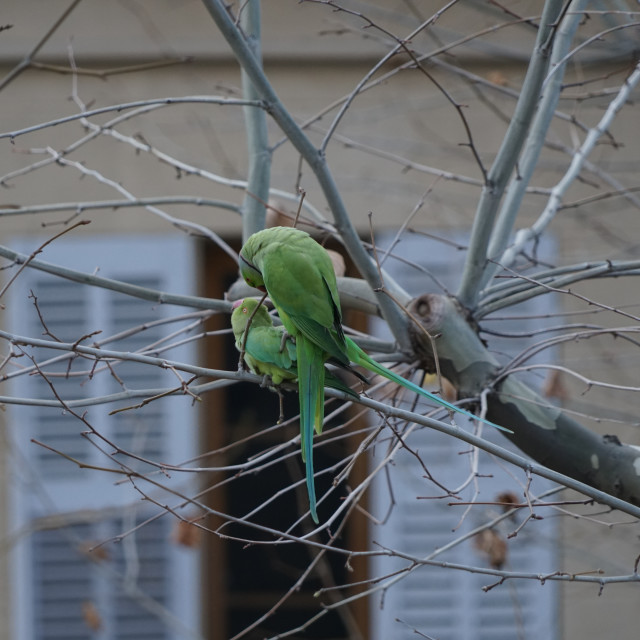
x=269 y=351
x=298 y=275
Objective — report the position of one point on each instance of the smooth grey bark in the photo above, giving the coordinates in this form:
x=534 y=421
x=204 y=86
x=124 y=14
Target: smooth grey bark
x=535 y=140
x=259 y=172
x=540 y=429
x=505 y=161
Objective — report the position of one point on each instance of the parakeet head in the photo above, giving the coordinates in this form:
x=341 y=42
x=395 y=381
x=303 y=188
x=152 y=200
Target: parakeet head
x=260 y=243
x=243 y=310
x=250 y=273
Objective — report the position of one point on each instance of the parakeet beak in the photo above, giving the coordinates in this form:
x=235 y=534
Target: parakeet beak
x=237 y=303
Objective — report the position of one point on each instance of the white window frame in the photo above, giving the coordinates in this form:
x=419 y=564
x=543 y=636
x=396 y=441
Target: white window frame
x=418 y=527
x=171 y=258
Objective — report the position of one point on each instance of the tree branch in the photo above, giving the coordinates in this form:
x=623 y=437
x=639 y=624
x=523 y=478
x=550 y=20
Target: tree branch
x=259 y=154
x=27 y=60
x=509 y=293
x=535 y=139
x=540 y=429
x=152 y=102
x=525 y=235
x=136 y=291
x=393 y=315
x=505 y=161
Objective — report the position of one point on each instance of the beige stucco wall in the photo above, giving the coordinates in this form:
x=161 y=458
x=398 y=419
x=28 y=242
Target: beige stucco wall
x=415 y=124
x=408 y=117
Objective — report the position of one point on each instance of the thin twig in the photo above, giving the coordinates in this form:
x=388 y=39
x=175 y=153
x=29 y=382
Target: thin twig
x=25 y=263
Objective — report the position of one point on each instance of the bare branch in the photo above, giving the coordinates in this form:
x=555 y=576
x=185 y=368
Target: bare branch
x=525 y=235
x=130 y=289
x=505 y=161
x=316 y=160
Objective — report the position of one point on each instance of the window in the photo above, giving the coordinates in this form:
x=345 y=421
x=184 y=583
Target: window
x=72 y=579
x=442 y=602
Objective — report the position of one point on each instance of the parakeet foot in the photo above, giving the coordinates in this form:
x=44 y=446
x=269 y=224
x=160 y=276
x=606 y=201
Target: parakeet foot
x=283 y=342
x=281 y=399
x=266 y=381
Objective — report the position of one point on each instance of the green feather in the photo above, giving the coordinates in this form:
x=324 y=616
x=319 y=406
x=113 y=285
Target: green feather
x=269 y=351
x=298 y=275
x=311 y=390
x=358 y=356
x=264 y=352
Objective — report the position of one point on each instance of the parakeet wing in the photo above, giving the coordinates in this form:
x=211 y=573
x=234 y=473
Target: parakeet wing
x=298 y=275
x=266 y=344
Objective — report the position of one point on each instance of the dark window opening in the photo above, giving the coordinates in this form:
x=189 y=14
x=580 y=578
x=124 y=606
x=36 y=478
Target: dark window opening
x=247 y=580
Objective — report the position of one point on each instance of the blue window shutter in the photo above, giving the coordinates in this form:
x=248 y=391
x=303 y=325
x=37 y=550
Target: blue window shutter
x=446 y=603
x=441 y=602
x=56 y=577
x=61 y=583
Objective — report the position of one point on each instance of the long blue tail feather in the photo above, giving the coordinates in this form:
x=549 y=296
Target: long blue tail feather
x=360 y=357
x=311 y=392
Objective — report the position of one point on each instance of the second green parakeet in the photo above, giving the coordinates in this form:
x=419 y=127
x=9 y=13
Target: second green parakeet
x=269 y=351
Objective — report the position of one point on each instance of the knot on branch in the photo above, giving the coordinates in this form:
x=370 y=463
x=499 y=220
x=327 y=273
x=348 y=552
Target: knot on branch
x=444 y=328
x=427 y=310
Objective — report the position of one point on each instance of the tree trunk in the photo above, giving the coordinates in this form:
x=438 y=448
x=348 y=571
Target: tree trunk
x=540 y=429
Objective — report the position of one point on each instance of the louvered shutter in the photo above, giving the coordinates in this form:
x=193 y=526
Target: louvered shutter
x=144 y=586
x=439 y=602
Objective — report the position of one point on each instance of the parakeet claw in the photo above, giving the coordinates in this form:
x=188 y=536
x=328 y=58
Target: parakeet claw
x=283 y=342
x=281 y=399
x=266 y=381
